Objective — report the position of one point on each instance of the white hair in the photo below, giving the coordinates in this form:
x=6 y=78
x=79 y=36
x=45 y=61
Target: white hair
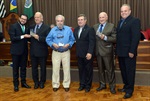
x=60 y=16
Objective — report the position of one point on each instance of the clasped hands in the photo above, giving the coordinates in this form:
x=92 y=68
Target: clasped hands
x=29 y=36
x=102 y=36
x=57 y=46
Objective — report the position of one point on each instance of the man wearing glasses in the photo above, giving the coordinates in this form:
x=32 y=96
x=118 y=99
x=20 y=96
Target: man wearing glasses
x=19 y=51
x=60 y=39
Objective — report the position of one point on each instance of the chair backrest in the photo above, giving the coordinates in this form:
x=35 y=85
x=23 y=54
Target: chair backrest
x=148 y=33
x=145 y=34
x=6 y=22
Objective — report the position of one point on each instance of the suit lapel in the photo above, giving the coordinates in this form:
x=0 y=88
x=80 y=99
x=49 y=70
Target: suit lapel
x=20 y=28
x=125 y=22
x=106 y=27
x=40 y=29
x=83 y=31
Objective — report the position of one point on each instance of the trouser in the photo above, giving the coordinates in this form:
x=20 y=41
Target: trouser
x=85 y=72
x=19 y=61
x=106 y=67
x=128 y=68
x=57 y=58
x=42 y=62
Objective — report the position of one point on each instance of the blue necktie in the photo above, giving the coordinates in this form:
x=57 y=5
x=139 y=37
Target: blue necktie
x=100 y=30
x=37 y=28
x=121 y=22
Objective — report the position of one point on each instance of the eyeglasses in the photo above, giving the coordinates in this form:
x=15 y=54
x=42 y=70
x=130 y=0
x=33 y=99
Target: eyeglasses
x=23 y=19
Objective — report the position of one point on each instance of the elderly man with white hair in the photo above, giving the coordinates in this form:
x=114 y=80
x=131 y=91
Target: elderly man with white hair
x=39 y=50
x=60 y=39
x=105 y=38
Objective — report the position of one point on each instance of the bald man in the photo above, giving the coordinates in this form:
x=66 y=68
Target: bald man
x=105 y=38
x=39 y=50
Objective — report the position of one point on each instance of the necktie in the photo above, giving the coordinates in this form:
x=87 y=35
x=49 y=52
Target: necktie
x=121 y=22
x=80 y=30
x=37 y=28
x=100 y=30
x=23 y=28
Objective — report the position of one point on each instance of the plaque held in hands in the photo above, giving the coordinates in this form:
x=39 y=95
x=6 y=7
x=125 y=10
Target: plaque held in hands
x=32 y=32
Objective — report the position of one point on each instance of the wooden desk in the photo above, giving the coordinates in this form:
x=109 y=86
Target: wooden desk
x=6 y=56
x=5 y=51
x=143 y=58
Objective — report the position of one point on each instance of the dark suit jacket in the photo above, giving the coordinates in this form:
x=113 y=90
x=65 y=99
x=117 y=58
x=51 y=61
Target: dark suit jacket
x=18 y=45
x=39 y=47
x=105 y=48
x=86 y=43
x=128 y=37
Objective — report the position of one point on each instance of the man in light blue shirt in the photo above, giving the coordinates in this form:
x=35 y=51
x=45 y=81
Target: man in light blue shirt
x=60 y=39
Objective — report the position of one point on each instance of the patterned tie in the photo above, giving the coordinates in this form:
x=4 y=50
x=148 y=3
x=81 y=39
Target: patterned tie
x=100 y=30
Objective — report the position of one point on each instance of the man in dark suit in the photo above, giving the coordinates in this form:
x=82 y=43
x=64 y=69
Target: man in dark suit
x=39 y=50
x=85 y=44
x=19 y=51
x=128 y=36
x=105 y=38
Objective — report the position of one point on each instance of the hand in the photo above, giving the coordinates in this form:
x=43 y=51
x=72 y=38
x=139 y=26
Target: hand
x=55 y=46
x=36 y=36
x=66 y=46
x=88 y=56
x=27 y=36
x=131 y=55
x=102 y=36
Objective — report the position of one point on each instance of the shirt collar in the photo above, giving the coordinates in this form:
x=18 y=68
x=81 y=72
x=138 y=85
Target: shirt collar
x=39 y=25
x=60 y=29
x=103 y=24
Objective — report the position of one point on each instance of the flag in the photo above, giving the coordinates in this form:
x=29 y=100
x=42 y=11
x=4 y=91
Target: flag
x=13 y=6
x=28 y=8
x=2 y=9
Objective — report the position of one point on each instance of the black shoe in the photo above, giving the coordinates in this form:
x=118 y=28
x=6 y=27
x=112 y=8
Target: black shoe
x=25 y=85
x=127 y=95
x=36 y=86
x=112 y=90
x=121 y=90
x=16 y=89
x=42 y=86
x=87 y=89
x=55 y=89
x=66 y=89
x=101 y=87
x=80 y=88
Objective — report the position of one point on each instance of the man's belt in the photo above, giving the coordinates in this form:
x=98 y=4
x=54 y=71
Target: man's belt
x=61 y=51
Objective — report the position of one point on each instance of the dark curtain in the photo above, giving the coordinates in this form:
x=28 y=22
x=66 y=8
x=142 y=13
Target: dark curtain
x=72 y=8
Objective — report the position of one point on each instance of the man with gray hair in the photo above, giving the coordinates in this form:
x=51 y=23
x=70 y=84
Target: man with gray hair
x=105 y=38
x=60 y=39
x=39 y=50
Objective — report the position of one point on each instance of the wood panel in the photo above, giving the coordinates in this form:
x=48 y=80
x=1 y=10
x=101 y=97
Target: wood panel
x=5 y=51
x=143 y=57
